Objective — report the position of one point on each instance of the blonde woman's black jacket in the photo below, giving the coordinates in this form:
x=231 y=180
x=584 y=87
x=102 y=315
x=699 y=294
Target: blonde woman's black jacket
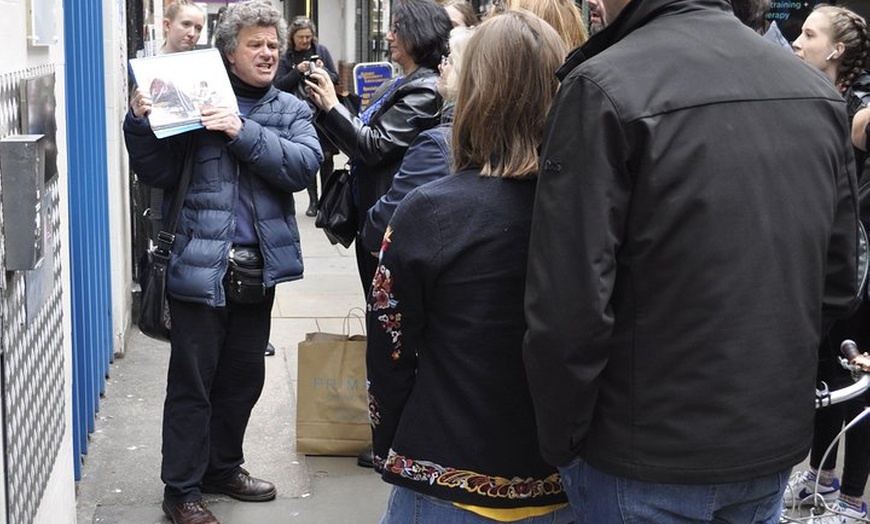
x=450 y=409
x=379 y=146
x=694 y=219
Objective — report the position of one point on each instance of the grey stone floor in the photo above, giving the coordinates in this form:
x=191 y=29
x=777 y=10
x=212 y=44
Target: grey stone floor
x=121 y=472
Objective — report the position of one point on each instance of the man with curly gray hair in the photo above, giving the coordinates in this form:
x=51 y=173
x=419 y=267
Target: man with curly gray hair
x=238 y=213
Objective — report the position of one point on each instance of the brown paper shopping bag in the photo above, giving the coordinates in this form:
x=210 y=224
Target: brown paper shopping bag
x=331 y=402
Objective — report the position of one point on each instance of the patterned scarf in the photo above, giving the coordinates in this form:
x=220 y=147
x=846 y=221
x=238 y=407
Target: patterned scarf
x=370 y=111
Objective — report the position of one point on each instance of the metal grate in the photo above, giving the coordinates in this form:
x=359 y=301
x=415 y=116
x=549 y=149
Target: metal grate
x=32 y=344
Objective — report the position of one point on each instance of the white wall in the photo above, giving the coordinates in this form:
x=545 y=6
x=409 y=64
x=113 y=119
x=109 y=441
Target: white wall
x=332 y=31
x=118 y=184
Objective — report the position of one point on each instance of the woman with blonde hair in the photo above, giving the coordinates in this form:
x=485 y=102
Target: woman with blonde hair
x=563 y=15
x=836 y=41
x=183 y=21
x=453 y=425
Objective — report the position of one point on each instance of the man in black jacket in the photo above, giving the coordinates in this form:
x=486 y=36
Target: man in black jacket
x=695 y=220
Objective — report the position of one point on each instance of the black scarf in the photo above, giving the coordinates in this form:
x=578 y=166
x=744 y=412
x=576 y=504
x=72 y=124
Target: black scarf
x=245 y=90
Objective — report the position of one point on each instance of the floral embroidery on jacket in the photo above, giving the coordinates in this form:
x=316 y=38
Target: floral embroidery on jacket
x=382 y=298
x=385 y=242
x=382 y=290
x=392 y=324
x=470 y=481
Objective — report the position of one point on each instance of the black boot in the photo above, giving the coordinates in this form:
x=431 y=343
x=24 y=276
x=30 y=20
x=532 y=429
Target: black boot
x=312 y=200
x=366 y=458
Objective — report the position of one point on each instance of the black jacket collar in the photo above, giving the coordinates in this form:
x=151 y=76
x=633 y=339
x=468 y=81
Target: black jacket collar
x=635 y=15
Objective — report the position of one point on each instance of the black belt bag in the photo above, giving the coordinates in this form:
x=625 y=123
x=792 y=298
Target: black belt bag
x=243 y=282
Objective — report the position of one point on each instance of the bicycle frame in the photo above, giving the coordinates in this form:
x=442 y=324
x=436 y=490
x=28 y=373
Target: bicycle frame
x=825 y=397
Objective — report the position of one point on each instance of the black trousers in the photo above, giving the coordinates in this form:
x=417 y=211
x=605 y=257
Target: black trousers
x=829 y=421
x=216 y=375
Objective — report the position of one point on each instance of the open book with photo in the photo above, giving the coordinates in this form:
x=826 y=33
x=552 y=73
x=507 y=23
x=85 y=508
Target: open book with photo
x=180 y=85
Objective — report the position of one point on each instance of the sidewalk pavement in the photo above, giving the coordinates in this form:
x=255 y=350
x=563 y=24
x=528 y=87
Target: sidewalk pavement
x=121 y=473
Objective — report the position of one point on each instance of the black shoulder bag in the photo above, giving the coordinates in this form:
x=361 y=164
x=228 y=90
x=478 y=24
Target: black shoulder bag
x=337 y=211
x=154 y=318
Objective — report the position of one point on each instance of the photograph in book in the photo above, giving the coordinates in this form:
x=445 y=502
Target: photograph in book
x=180 y=85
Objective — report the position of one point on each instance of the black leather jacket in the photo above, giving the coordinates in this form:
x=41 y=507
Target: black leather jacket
x=695 y=210
x=379 y=146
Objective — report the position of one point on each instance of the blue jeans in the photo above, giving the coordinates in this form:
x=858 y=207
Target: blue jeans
x=409 y=507
x=597 y=497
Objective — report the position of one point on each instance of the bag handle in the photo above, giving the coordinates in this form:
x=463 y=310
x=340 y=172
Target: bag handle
x=355 y=312
x=359 y=314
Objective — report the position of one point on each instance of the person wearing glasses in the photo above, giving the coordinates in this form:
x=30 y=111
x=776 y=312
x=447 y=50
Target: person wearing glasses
x=428 y=157
x=292 y=69
x=400 y=109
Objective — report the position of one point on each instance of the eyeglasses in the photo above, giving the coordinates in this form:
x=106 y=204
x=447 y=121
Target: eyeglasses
x=302 y=22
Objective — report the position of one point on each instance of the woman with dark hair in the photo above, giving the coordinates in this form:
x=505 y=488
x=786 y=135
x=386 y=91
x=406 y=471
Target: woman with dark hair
x=399 y=110
x=292 y=69
x=428 y=157
x=453 y=424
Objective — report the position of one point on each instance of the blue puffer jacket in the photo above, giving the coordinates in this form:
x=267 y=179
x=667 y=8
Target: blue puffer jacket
x=277 y=147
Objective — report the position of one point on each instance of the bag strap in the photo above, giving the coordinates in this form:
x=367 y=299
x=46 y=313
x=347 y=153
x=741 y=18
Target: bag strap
x=359 y=314
x=166 y=236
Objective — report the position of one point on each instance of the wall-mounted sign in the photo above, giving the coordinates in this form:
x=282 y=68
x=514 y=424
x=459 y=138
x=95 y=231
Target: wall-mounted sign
x=368 y=77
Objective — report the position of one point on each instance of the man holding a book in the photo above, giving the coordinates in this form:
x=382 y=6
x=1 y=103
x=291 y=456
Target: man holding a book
x=236 y=238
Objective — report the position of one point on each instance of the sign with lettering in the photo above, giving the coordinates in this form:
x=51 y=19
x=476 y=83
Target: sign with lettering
x=368 y=77
x=789 y=15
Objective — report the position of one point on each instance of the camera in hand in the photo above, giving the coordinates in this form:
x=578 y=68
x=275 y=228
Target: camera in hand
x=312 y=65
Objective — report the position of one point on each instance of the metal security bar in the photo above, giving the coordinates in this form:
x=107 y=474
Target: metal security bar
x=90 y=292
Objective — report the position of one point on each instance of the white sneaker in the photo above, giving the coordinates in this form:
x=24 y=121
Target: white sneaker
x=842 y=514
x=800 y=488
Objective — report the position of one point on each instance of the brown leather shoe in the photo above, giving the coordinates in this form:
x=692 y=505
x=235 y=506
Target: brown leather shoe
x=194 y=512
x=243 y=486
